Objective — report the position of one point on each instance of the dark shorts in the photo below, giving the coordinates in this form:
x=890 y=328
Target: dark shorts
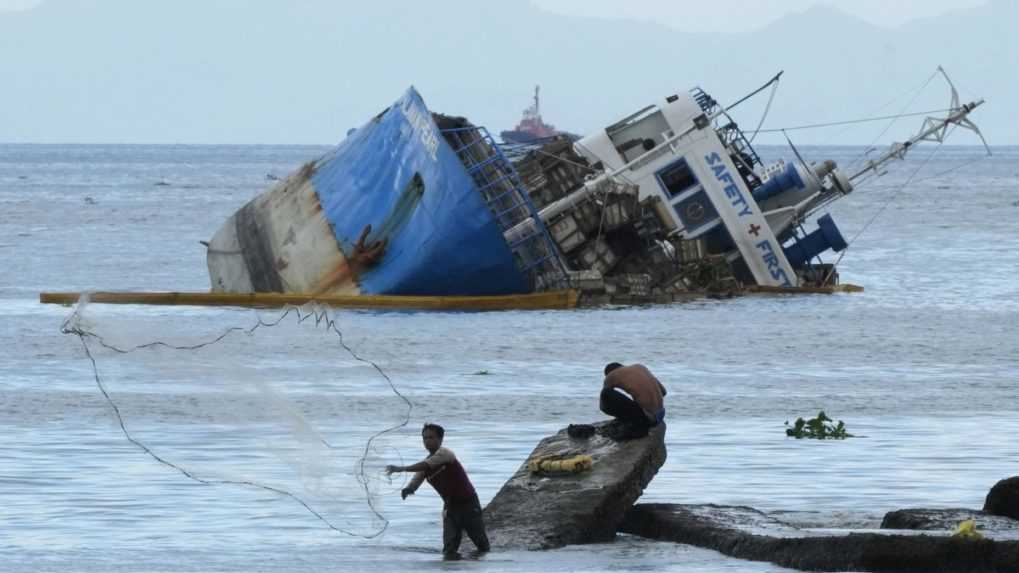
x=619 y=405
x=461 y=517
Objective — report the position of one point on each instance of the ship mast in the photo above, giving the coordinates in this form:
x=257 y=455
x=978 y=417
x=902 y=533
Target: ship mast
x=933 y=129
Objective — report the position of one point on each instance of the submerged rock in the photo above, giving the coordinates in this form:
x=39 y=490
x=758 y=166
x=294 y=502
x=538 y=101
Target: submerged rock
x=534 y=511
x=1003 y=499
x=746 y=533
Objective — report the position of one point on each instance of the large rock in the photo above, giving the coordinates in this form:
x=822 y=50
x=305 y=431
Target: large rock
x=746 y=533
x=542 y=512
x=1003 y=499
x=948 y=519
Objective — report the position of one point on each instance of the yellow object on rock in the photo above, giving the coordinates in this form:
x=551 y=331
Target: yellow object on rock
x=967 y=530
x=557 y=465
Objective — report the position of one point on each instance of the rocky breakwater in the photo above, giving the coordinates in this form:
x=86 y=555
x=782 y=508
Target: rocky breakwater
x=909 y=539
x=999 y=518
x=546 y=509
x=747 y=533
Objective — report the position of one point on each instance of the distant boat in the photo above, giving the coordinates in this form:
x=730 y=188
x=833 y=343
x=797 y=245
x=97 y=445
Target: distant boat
x=531 y=127
x=669 y=199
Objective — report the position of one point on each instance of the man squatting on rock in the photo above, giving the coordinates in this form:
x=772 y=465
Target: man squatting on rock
x=462 y=510
x=634 y=396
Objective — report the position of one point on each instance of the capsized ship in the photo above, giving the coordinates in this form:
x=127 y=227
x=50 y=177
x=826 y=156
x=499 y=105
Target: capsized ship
x=667 y=200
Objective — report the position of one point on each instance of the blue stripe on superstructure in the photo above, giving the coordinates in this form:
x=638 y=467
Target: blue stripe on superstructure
x=447 y=241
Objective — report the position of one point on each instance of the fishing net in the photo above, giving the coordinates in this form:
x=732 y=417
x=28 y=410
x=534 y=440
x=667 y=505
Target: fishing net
x=279 y=403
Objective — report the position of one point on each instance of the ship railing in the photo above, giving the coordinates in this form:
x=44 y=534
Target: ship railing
x=742 y=152
x=705 y=101
x=731 y=135
x=469 y=144
x=734 y=139
x=502 y=189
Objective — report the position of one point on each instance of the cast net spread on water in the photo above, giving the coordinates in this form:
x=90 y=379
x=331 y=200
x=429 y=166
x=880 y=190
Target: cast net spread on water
x=283 y=405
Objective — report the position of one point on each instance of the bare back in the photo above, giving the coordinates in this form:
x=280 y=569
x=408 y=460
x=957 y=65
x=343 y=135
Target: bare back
x=637 y=381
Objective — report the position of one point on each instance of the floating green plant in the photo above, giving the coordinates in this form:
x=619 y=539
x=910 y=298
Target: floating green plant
x=820 y=428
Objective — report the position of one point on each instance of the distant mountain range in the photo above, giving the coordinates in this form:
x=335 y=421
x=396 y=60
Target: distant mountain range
x=234 y=71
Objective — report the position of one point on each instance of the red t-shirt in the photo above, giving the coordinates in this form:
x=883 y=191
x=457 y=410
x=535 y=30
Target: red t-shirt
x=447 y=476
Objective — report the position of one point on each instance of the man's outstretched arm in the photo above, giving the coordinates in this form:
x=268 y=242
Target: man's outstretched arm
x=419 y=476
x=418 y=467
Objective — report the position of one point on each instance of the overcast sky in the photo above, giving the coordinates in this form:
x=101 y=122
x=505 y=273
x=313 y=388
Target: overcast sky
x=17 y=4
x=306 y=71
x=733 y=15
x=745 y=15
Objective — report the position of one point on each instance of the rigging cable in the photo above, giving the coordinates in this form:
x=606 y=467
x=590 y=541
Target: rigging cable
x=72 y=325
x=767 y=108
x=773 y=80
x=880 y=210
x=855 y=121
x=901 y=112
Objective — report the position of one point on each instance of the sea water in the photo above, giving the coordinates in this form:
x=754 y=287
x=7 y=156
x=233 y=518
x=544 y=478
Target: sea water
x=922 y=367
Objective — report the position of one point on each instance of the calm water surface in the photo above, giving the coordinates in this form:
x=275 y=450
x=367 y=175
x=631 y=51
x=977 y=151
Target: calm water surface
x=922 y=366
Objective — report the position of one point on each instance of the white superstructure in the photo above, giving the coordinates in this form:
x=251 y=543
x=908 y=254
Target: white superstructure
x=687 y=151
x=672 y=150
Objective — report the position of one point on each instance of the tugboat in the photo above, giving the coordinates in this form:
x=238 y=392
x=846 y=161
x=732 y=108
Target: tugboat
x=531 y=127
x=668 y=200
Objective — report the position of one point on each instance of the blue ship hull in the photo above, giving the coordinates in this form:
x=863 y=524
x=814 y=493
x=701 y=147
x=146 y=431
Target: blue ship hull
x=391 y=210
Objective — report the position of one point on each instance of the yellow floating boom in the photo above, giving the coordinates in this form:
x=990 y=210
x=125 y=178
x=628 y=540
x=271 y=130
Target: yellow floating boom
x=562 y=299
